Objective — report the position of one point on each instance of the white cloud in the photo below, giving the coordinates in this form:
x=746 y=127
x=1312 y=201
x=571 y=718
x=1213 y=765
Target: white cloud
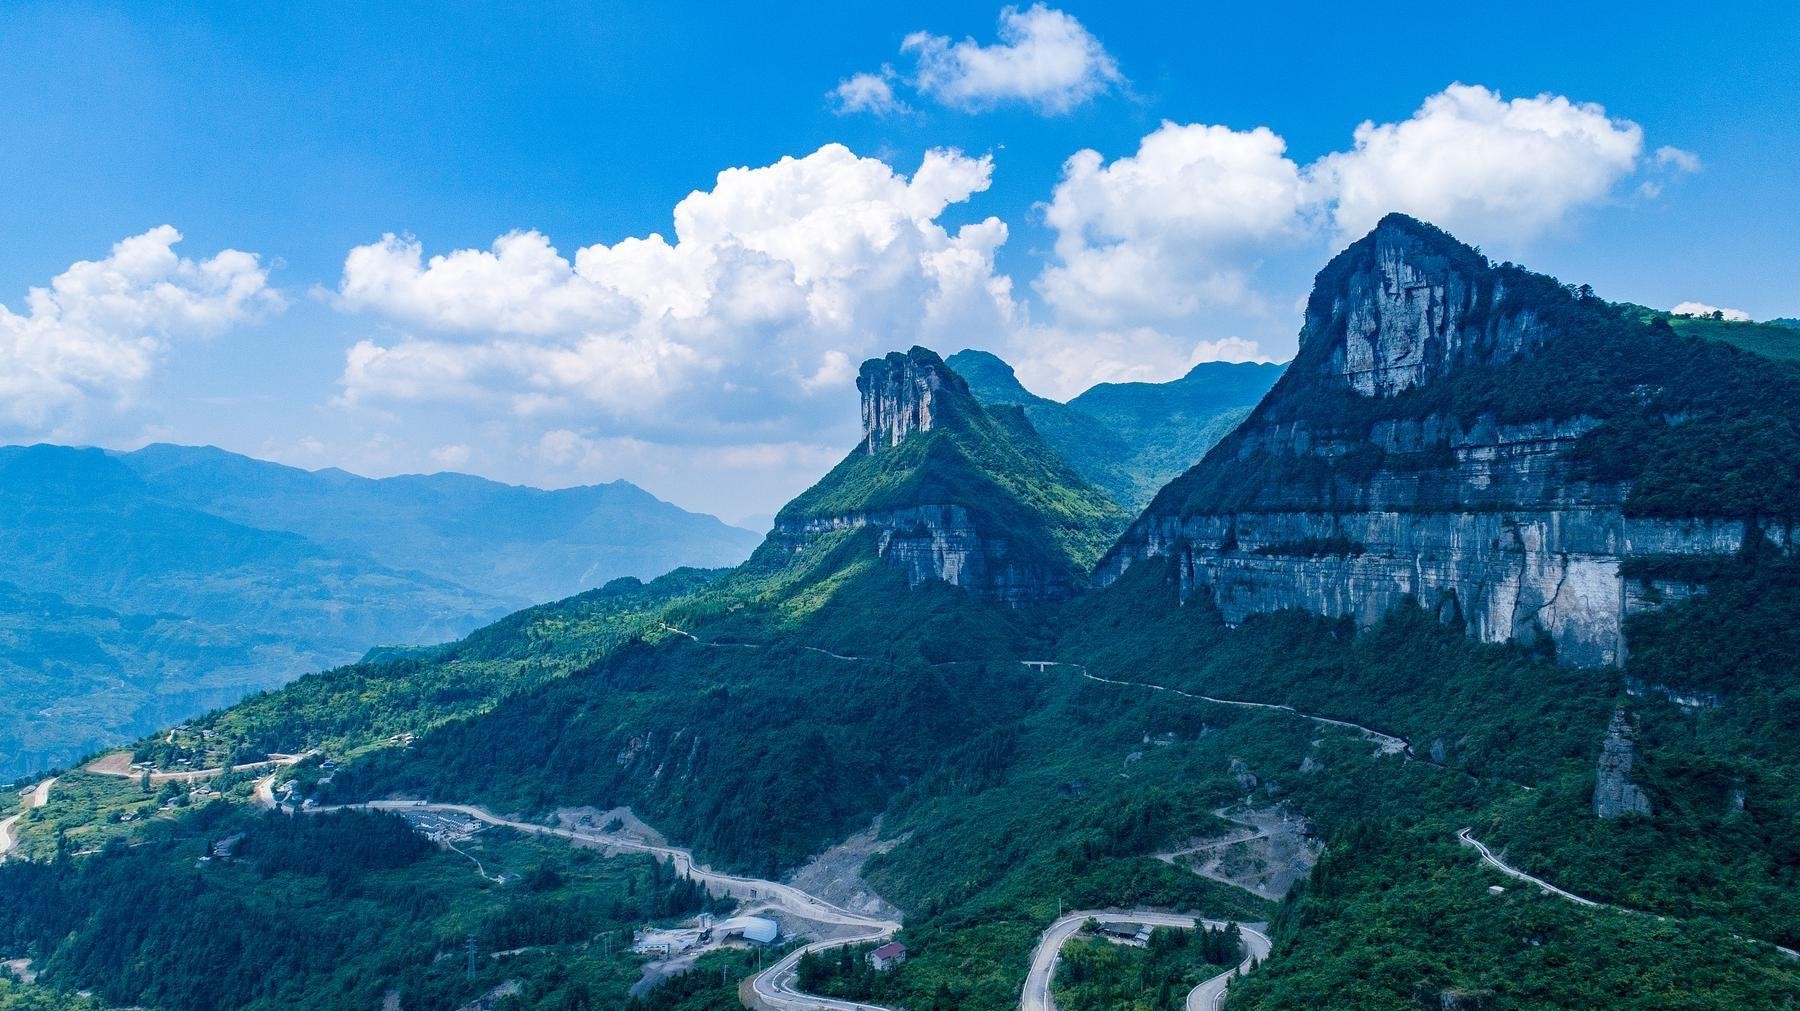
x=734 y=339
x=1158 y=251
x=1479 y=165
x=1228 y=349
x=453 y=456
x=776 y=279
x=96 y=332
x=1702 y=309
x=1045 y=59
x=1678 y=159
x=1171 y=230
x=871 y=93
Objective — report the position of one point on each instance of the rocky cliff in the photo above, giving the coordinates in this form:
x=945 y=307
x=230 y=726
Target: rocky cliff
x=1453 y=433
x=1614 y=792
x=899 y=397
x=953 y=491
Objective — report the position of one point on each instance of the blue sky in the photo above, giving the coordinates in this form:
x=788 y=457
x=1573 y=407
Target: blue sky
x=1641 y=148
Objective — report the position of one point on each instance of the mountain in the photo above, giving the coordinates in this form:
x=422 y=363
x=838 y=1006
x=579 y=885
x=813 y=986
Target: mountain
x=1129 y=439
x=909 y=703
x=953 y=491
x=146 y=587
x=521 y=544
x=1521 y=458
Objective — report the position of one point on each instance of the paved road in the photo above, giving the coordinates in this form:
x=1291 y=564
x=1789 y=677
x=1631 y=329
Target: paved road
x=38 y=797
x=1205 y=997
x=1389 y=744
x=801 y=904
x=774 y=986
x=778 y=985
x=1488 y=857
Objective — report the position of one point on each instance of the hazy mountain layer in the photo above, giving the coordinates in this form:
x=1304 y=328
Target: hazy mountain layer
x=147 y=587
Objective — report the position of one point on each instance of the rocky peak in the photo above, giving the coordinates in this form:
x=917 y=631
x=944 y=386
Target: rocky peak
x=1407 y=303
x=901 y=394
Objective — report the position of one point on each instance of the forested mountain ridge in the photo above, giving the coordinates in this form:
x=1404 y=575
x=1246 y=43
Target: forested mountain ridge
x=1505 y=451
x=143 y=588
x=1129 y=439
x=1159 y=751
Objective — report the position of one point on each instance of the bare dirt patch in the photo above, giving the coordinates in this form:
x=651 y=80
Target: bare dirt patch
x=1266 y=854
x=836 y=874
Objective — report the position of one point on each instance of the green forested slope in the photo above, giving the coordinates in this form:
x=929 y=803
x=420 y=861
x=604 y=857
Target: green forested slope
x=1129 y=439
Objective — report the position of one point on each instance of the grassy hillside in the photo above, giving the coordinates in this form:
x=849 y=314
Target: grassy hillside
x=1009 y=791
x=1775 y=339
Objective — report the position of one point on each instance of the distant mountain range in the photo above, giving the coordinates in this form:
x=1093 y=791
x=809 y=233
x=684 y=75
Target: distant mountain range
x=138 y=589
x=1129 y=439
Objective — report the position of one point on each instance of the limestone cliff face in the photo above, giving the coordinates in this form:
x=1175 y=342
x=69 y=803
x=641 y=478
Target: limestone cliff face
x=942 y=542
x=899 y=397
x=1357 y=484
x=1614 y=792
x=1414 y=311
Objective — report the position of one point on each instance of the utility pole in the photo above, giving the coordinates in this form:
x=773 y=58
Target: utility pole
x=471 y=955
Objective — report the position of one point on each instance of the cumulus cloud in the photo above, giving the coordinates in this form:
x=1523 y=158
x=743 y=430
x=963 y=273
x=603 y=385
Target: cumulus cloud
x=1475 y=163
x=95 y=333
x=1044 y=59
x=735 y=337
x=1702 y=309
x=1158 y=250
x=775 y=280
x=871 y=93
x=1168 y=231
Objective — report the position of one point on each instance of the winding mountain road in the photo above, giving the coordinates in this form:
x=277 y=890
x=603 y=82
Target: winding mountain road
x=1208 y=996
x=1388 y=743
x=799 y=903
x=1488 y=857
x=775 y=986
x=37 y=798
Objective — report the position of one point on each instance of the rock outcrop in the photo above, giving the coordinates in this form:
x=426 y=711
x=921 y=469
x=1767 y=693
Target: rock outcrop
x=899 y=396
x=1364 y=479
x=1614 y=792
x=942 y=542
x=953 y=491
